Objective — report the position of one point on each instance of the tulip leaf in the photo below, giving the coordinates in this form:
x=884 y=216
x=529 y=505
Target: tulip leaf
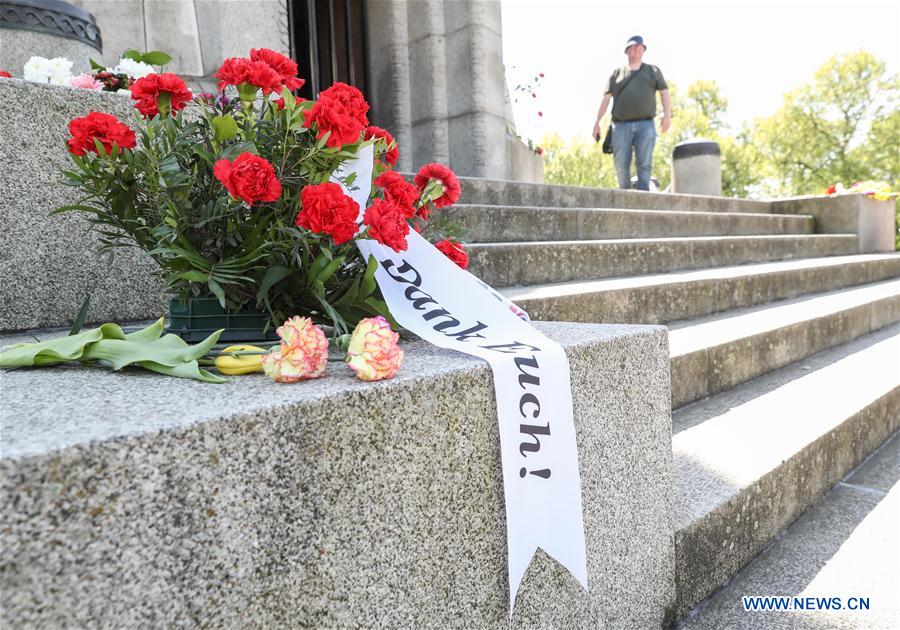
x=144 y=348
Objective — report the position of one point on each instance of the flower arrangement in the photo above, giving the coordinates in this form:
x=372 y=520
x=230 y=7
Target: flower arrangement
x=869 y=188
x=58 y=71
x=236 y=197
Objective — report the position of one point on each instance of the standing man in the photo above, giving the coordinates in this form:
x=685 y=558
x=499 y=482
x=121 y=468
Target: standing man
x=633 y=89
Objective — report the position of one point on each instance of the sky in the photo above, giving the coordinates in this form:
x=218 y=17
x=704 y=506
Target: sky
x=756 y=51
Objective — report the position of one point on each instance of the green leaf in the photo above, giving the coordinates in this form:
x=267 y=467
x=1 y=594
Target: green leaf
x=82 y=314
x=289 y=99
x=236 y=149
x=273 y=276
x=58 y=350
x=156 y=58
x=224 y=128
x=368 y=282
x=95 y=65
x=132 y=54
x=217 y=290
x=194 y=276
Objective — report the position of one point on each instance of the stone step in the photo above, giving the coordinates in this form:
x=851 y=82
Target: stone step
x=845 y=546
x=509 y=264
x=749 y=461
x=135 y=500
x=504 y=224
x=712 y=354
x=666 y=297
x=507 y=193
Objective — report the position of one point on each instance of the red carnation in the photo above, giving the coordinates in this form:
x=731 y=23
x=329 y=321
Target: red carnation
x=831 y=189
x=341 y=109
x=454 y=251
x=160 y=94
x=99 y=126
x=399 y=191
x=392 y=153
x=5 y=74
x=445 y=177
x=387 y=224
x=284 y=67
x=238 y=71
x=249 y=177
x=327 y=210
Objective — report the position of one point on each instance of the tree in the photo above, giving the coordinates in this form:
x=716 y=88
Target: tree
x=842 y=127
x=577 y=162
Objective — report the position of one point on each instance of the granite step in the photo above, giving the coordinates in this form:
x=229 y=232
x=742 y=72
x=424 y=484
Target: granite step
x=132 y=500
x=503 y=224
x=509 y=264
x=845 y=546
x=666 y=297
x=508 y=193
x=712 y=354
x=749 y=461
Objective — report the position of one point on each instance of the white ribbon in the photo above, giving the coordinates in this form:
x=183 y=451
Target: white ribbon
x=431 y=296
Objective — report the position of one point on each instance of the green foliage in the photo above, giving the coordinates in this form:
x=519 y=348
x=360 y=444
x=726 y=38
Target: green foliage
x=153 y=58
x=577 y=162
x=842 y=127
x=108 y=344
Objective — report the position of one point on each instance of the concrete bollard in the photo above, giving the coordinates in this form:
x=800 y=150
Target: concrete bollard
x=697 y=168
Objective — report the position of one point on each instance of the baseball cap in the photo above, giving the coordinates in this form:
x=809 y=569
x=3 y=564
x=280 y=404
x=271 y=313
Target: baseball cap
x=634 y=40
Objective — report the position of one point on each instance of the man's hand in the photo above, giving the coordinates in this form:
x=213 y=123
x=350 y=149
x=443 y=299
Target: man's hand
x=665 y=124
x=596 y=133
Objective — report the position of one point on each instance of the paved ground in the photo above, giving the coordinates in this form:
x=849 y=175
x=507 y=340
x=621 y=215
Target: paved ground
x=846 y=546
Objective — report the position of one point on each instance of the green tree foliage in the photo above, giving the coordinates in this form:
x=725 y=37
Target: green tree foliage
x=577 y=162
x=841 y=127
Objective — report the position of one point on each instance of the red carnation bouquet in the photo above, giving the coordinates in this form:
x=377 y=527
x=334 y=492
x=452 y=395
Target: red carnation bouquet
x=237 y=196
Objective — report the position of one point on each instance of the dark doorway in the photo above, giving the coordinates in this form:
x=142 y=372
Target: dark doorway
x=328 y=41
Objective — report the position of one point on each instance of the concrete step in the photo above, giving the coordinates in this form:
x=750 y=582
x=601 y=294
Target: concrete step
x=715 y=353
x=503 y=224
x=508 y=264
x=132 y=500
x=846 y=546
x=507 y=193
x=749 y=461
x=666 y=297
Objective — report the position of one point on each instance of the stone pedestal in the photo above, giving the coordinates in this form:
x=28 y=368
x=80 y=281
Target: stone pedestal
x=46 y=29
x=697 y=168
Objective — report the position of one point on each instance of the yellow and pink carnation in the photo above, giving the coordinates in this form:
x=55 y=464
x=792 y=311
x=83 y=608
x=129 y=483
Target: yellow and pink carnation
x=374 y=353
x=303 y=353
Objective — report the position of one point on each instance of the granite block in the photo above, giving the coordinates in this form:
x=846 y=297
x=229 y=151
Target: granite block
x=131 y=499
x=49 y=263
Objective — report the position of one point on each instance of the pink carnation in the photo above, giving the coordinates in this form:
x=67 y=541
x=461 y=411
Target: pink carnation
x=374 y=353
x=303 y=353
x=86 y=82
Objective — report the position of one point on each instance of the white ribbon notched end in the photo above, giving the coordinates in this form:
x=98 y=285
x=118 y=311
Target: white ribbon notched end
x=447 y=306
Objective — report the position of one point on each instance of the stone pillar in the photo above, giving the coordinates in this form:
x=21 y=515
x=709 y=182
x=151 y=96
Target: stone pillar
x=46 y=29
x=440 y=86
x=697 y=168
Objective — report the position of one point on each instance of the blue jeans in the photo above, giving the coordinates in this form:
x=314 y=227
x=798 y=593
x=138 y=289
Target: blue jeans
x=638 y=136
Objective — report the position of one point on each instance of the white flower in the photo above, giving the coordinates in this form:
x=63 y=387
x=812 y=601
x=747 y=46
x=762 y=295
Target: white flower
x=134 y=69
x=56 y=71
x=60 y=66
x=37 y=69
